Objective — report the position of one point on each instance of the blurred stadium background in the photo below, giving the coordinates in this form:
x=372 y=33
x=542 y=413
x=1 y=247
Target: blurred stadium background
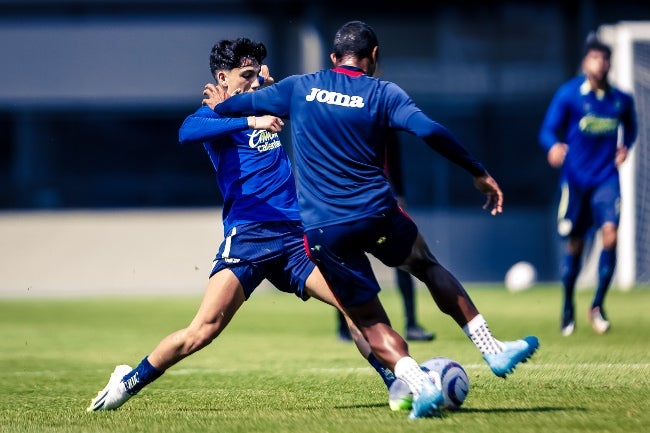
x=92 y=94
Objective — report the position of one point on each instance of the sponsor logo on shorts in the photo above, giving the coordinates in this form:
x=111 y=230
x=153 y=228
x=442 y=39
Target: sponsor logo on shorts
x=231 y=260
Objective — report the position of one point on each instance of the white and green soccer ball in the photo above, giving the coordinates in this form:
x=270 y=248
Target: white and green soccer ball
x=521 y=276
x=447 y=374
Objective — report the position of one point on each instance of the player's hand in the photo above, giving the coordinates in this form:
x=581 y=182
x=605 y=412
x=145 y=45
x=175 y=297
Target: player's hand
x=213 y=95
x=266 y=75
x=267 y=122
x=621 y=155
x=556 y=154
x=490 y=188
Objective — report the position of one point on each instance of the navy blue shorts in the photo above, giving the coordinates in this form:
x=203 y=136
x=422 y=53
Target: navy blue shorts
x=272 y=251
x=340 y=252
x=584 y=209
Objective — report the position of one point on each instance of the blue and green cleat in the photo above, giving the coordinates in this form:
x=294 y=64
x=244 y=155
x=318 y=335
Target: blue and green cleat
x=513 y=353
x=428 y=402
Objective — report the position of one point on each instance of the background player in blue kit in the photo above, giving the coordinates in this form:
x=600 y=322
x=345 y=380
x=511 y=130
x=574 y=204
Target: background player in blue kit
x=263 y=233
x=581 y=135
x=339 y=118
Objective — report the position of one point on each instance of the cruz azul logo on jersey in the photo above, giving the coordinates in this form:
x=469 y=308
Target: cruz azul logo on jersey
x=598 y=125
x=334 y=98
x=263 y=140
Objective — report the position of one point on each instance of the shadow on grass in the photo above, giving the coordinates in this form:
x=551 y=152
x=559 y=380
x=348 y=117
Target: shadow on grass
x=520 y=409
x=480 y=410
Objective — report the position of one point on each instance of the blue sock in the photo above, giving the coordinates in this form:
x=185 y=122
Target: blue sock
x=606 y=266
x=141 y=376
x=570 y=270
x=387 y=376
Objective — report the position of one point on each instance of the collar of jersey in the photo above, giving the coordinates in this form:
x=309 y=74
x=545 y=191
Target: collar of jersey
x=352 y=71
x=585 y=89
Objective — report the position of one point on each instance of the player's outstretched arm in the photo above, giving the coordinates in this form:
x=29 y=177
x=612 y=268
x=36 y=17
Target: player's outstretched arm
x=214 y=95
x=490 y=188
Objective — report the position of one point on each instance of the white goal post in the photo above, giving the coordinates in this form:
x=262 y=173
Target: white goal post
x=623 y=38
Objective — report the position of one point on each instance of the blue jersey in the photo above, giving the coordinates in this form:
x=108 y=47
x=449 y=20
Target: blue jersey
x=339 y=120
x=588 y=122
x=253 y=171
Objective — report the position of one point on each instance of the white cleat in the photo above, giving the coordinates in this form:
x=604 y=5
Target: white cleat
x=567 y=329
x=114 y=393
x=598 y=321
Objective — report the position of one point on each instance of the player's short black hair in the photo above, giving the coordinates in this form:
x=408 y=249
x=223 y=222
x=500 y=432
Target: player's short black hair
x=354 y=38
x=592 y=43
x=234 y=53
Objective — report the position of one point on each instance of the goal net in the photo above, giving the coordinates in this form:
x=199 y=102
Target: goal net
x=630 y=72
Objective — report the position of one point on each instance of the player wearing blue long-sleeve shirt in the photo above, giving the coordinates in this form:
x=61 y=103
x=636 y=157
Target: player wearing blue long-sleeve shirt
x=581 y=132
x=243 y=158
x=338 y=121
x=262 y=229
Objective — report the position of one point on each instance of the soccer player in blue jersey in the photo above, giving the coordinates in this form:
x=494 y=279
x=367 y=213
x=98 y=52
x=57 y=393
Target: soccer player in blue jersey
x=263 y=233
x=339 y=118
x=580 y=132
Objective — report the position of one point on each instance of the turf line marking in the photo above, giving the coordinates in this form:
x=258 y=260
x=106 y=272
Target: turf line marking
x=189 y=371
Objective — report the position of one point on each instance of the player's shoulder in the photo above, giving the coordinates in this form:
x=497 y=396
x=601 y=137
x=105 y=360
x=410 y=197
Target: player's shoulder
x=572 y=85
x=389 y=88
x=569 y=90
x=205 y=111
x=620 y=94
x=301 y=81
x=323 y=73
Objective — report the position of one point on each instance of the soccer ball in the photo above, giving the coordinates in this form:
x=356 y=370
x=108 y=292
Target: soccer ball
x=447 y=374
x=521 y=276
x=451 y=377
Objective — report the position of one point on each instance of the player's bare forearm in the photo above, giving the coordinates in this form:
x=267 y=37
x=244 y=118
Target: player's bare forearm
x=214 y=95
x=267 y=122
x=494 y=196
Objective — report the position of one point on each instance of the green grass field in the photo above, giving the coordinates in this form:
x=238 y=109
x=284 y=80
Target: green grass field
x=279 y=368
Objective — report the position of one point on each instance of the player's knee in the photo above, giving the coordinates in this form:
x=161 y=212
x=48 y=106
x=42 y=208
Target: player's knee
x=609 y=236
x=419 y=266
x=575 y=246
x=199 y=337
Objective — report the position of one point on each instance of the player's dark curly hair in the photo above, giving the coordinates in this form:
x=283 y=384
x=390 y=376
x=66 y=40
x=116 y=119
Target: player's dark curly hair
x=235 y=53
x=354 y=38
x=592 y=43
